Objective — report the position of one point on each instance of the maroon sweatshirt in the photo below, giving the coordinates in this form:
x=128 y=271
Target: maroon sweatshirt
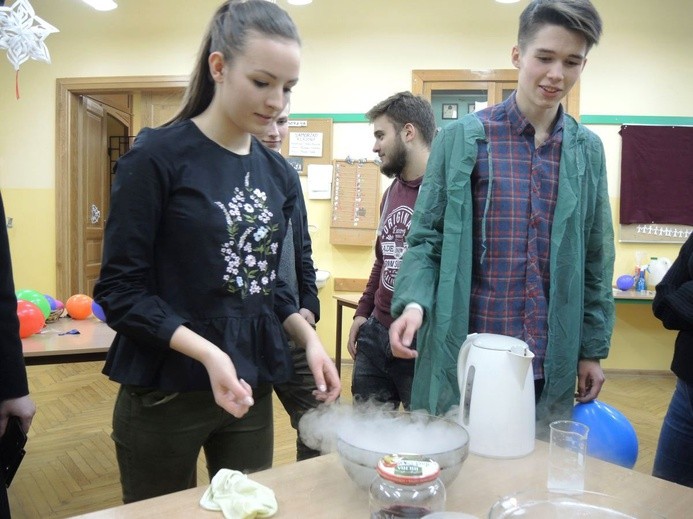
x=396 y=209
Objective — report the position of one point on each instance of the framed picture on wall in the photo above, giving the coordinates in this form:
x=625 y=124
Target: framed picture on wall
x=471 y=107
x=450 y=111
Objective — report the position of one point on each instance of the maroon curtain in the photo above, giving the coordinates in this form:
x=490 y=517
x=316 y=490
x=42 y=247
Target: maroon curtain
x=657 y=174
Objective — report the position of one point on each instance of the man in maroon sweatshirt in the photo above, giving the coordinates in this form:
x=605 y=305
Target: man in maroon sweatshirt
x=404 y=127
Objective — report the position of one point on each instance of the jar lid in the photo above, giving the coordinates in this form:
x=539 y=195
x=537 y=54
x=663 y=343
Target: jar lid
x=408 y=469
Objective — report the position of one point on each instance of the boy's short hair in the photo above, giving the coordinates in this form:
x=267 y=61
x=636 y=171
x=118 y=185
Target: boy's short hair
x=575 y=15
x=405 y=107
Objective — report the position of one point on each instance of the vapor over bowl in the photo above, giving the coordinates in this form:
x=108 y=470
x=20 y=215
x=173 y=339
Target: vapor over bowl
x=377 y=434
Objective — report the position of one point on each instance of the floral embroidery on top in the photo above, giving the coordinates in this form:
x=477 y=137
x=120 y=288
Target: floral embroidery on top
x=248 y=256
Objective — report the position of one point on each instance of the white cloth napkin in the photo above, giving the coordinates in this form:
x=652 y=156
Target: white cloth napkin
x=238 y=497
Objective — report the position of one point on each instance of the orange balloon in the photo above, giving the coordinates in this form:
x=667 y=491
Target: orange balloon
x=31 y=318
x=78 y=306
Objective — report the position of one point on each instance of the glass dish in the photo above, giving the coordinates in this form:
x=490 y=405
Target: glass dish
x=563 y=505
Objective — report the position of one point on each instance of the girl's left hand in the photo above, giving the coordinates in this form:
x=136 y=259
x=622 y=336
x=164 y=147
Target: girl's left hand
x=321 y=365
x=325 y=372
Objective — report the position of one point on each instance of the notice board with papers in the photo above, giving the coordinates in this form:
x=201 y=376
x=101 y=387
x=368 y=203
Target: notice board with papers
x=309 y=142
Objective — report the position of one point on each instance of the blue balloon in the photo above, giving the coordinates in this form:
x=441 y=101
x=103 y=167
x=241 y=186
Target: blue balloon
x=611 y=437
x=98 y=311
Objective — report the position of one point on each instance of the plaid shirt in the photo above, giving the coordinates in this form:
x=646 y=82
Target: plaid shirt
x=510 y=275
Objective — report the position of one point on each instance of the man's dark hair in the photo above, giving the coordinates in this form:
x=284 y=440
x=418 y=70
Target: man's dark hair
x=403 y=108
x=575 y=15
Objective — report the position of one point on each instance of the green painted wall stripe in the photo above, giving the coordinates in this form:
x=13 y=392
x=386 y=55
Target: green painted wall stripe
x=654 y=120
x=585 y=119
x=338 y=118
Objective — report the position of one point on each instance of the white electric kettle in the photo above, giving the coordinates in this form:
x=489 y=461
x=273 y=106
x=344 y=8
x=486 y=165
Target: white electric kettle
x=656 y=270
x=497 y=395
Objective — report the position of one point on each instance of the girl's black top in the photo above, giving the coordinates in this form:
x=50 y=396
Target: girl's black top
x=673 y=305
x=193 y=238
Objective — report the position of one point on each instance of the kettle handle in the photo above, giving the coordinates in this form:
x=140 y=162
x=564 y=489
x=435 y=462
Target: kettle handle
x=465 y=385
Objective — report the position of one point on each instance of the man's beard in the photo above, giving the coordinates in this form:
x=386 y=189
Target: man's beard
x=397 y=160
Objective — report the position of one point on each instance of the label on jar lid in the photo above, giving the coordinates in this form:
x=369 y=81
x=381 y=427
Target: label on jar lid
x=408 y=469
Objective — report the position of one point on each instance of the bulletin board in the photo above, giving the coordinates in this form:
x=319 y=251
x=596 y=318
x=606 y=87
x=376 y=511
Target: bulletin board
x=355 y=203
x=309 y=142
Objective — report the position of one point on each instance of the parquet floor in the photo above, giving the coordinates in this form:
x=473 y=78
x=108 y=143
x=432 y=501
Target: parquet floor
x=70 y=465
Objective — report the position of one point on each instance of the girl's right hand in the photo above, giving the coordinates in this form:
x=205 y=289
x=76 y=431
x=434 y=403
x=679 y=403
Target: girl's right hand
x=232 y=394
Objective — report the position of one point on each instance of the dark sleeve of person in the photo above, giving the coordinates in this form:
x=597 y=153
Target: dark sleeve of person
x=673 y=301
x=13 y=381
x=303 y=248
x=124 y=287
x=284 y=301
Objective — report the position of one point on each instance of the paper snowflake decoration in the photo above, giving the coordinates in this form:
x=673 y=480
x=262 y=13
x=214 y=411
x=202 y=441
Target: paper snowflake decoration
x=23 y=33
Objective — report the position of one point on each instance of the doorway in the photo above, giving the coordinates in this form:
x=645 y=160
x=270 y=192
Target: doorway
x=86 y=118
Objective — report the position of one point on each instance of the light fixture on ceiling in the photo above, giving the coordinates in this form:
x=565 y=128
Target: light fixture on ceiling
x=101 y=5
x=300 y=2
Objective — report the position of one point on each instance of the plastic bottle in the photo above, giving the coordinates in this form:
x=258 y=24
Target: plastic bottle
x=640 y=284
x=407 y=485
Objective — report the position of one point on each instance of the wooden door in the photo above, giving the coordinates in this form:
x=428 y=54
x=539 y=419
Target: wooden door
x=92 y=196
x=114 y=93
x=159 y=106
x=94 y=193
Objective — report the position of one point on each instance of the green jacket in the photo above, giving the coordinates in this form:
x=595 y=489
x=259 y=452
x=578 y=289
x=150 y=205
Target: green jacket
x=436 y=270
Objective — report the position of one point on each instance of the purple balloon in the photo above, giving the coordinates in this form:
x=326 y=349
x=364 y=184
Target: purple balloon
x=98 y=311
x=52 y=302
x=625 y=282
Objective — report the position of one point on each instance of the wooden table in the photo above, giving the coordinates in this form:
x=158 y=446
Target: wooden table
x=54 y=346
x=350 y=300
x=319 y=488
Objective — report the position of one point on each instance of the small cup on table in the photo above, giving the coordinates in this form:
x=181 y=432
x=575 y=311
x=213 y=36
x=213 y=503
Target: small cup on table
x=567 y=456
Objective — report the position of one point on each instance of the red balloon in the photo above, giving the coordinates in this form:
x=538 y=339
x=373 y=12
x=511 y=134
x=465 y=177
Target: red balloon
x=79 y=306
x=31 y=318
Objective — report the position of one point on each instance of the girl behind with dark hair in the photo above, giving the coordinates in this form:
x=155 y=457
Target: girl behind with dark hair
x=199 y=211
x=673 y=305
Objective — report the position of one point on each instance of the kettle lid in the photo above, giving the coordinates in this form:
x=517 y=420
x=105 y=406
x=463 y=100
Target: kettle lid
x=493 y=341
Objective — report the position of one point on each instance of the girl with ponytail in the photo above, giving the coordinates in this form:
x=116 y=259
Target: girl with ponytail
x=199 y=212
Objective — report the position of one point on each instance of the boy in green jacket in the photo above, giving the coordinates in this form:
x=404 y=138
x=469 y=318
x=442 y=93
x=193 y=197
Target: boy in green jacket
x=512 y=230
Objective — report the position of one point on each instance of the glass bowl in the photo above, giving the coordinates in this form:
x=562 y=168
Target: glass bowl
x=445 y=441
x=545 y=504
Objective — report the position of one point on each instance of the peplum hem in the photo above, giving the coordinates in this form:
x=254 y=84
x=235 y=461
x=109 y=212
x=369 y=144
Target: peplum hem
x=257 y=345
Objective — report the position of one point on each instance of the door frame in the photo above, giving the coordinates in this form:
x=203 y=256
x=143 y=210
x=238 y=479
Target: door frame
x=493 y=80
x=67 y=171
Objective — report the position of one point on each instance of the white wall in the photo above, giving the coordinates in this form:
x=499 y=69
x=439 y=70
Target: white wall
x=356 y=53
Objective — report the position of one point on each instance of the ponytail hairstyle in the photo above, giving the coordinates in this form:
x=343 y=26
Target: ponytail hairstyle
x=228 y=33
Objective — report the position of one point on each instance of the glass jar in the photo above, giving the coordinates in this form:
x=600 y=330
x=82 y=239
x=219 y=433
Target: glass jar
x=407 y=485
